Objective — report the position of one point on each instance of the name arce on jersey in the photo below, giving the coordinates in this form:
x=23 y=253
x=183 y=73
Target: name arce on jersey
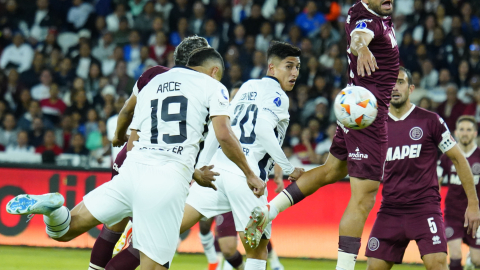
x=168 y=87
x=402 y=152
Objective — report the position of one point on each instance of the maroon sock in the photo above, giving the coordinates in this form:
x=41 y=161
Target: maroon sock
x=295 y=193
x=127 y=259
x=103 y=248
x=269 y=246
x=217 y=245
x=349 y=244
x=456 y=264
x=236 y=260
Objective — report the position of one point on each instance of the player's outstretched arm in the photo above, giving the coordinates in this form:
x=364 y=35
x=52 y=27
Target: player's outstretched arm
x=233 y=150
x=472 y=215
x=124 y=119
x=366 y=62
x=266 y=136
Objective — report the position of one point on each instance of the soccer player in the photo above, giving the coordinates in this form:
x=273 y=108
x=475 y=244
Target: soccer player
x=102 y=249
x=260 y=118
x=456 y=201
x=410 y=207
x=154 y=180
x=373 y=63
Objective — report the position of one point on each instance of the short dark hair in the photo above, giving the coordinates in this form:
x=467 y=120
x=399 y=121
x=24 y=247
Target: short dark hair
x=199 y=56
x=468 y=118
x=282 y=50
x=188 y=45
x=409 y=75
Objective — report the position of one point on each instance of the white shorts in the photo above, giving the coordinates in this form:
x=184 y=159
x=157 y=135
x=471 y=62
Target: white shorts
x=233 y=194
x=155 y=195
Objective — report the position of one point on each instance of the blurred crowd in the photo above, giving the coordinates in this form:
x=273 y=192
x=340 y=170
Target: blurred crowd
x=67 y=66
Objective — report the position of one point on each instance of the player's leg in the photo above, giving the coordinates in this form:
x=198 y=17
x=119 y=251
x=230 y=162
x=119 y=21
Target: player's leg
x=436 y=261
x=127 y=259
x=455 y=252
x=378 y=264
x=208 y=243
x=146 y=263
x=227 y=240
x=256 y=258
x=475 y=256
x=275 y=263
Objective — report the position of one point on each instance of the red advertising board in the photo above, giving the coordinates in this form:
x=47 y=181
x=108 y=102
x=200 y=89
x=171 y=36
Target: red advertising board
x=309 y=229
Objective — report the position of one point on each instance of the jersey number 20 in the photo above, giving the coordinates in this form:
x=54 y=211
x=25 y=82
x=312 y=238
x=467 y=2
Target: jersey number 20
x=238 y=110
x=180 y=117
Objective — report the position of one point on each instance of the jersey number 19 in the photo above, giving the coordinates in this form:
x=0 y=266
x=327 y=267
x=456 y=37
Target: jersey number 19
x=180 y=117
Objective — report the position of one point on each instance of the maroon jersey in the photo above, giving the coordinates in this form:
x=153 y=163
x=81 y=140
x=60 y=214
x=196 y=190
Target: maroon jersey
x=456 y=201
x=411 y=182
x=383 y=46
x=147 y=76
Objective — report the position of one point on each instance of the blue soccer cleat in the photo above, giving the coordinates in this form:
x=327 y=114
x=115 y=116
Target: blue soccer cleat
x=25 y=204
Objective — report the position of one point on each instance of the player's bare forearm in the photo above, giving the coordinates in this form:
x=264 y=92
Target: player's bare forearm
x=230 y=144
x=464 y=173
x=360 y=40
x=125 y=117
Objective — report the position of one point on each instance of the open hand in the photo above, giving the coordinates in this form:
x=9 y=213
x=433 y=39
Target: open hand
x=205 y=177
x=472 y=220
x=366 y=62
x=296 y=174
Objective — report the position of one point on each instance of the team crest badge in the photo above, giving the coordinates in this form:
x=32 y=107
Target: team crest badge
x=476 y=168
x=373 y=244
x=416 y=133
x=449 y=232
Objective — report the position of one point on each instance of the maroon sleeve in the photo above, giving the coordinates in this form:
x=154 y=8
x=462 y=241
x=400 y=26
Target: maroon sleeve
x=150 y=74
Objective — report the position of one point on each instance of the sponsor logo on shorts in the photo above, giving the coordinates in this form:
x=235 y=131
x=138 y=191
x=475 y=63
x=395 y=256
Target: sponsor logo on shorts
x=357 y=155
x=416 y=133
x=449 y=232
x=436 y=240
x=476 y=168
x=373 y=244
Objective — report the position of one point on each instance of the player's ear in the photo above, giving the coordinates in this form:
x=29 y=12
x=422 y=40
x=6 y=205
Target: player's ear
x=411 y=88
x=271 y=69
x=215 y=73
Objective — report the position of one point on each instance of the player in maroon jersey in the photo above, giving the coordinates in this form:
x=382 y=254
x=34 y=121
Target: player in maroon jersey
x=456 y=201
x=410 y=207
x=374 y=63
x=101 y=257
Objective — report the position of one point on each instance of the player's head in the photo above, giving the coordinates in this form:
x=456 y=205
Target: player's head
x=183 y=50
x=466 y=130
x=381 y=7
x=207 y=60
x=284 y=63
x=403 y=88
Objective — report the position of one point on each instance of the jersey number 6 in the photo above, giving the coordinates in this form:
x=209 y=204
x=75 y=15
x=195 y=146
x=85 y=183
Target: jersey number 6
x=180 y=117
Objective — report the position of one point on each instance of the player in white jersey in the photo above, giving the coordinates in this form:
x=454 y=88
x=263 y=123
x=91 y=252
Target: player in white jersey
x=154 y=181
x=259 y=114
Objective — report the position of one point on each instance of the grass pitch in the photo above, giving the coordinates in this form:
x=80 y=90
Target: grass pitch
x=31 y=258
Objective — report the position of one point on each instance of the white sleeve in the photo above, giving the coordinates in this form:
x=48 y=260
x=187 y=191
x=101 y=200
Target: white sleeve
x=135 y=89
x=218 y=98
x=210 y=146
x=274 y=108
x=266 y=137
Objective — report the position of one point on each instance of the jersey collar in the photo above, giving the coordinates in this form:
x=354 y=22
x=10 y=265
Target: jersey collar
x=403 y=116
x=371 y=11
x=273 y=78
x=467 y=155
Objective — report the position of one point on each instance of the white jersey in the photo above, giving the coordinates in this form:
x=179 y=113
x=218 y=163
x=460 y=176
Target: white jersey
x=257 y=101
x=170 y=114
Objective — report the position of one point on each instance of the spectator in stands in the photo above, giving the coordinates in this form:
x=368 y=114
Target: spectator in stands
x=49 y=144
x=163 y=7
x=321 y=112
x=53 y=107
x=316 y=130
x=113 y=20
x=325 y=38
x=474 y=107
x=443 y=19
x=157 y=26
x=197 y=22
x=78 y=146
x=424 y=33
x=253 y=22
x=21 y=145
x=136 y=6
x=100 y=29
x=34 y=111
x=419 y=92
x=12 y=89
x=213 y=37
x=92 y=122
x=259 y=68
x=17 y=55
x=292 y=158
x=234 y=90
x=23 y=103
x=305 y=149
x=182 y=32
x=234 y=75
x=470 y=22
x=321 y=87
x=137 y=68
x=238 y=35
x=120 y=79
x=104 y=49
x=120 y=37
x=143 y=22
x=80 y=105
x=160 y=49
x=437 y=49
x=79 y=13
x=92 y=83
x=64 y=133
x=66 y=74
x=42 y=90
x=263 y=39
x=310 y=20
x=430 y=75
x=463 y=74
x=438 y=94
x=241 y=10
x=280 y=24
x=84 y=60
x=40 y=21
x=8 y=132
x=425 y=103
x=308 y=75
x=53 y=63
x=36 y=133
x=323 y=148
x=103 y=155
x=131 y=51
x=294 y=35
x=10 y=20
x=338 y=73
x=180 y=10
x=46 y=47
x=466 y=94
x=452 y=108
x=327 y=59
x=475 y=57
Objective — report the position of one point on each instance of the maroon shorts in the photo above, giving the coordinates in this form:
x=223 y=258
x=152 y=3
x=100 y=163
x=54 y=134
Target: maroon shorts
x=392 y=233
x=365 y=150
x=225 y=225
x=122 y=155
x=454 y=230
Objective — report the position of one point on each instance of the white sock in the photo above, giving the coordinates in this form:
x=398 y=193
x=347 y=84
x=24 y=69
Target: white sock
x=279 y=204
x=95 y=267
x=209 y=247
x=254 y=264
x=58 y=222
x=227 y=266
x=346 y=261
x=273 y=259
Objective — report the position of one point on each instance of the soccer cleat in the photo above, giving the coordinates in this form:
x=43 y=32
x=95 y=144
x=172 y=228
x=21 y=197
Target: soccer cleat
x=26 y=204
x=212 y=266
x=124 y=239
x=256 y=225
